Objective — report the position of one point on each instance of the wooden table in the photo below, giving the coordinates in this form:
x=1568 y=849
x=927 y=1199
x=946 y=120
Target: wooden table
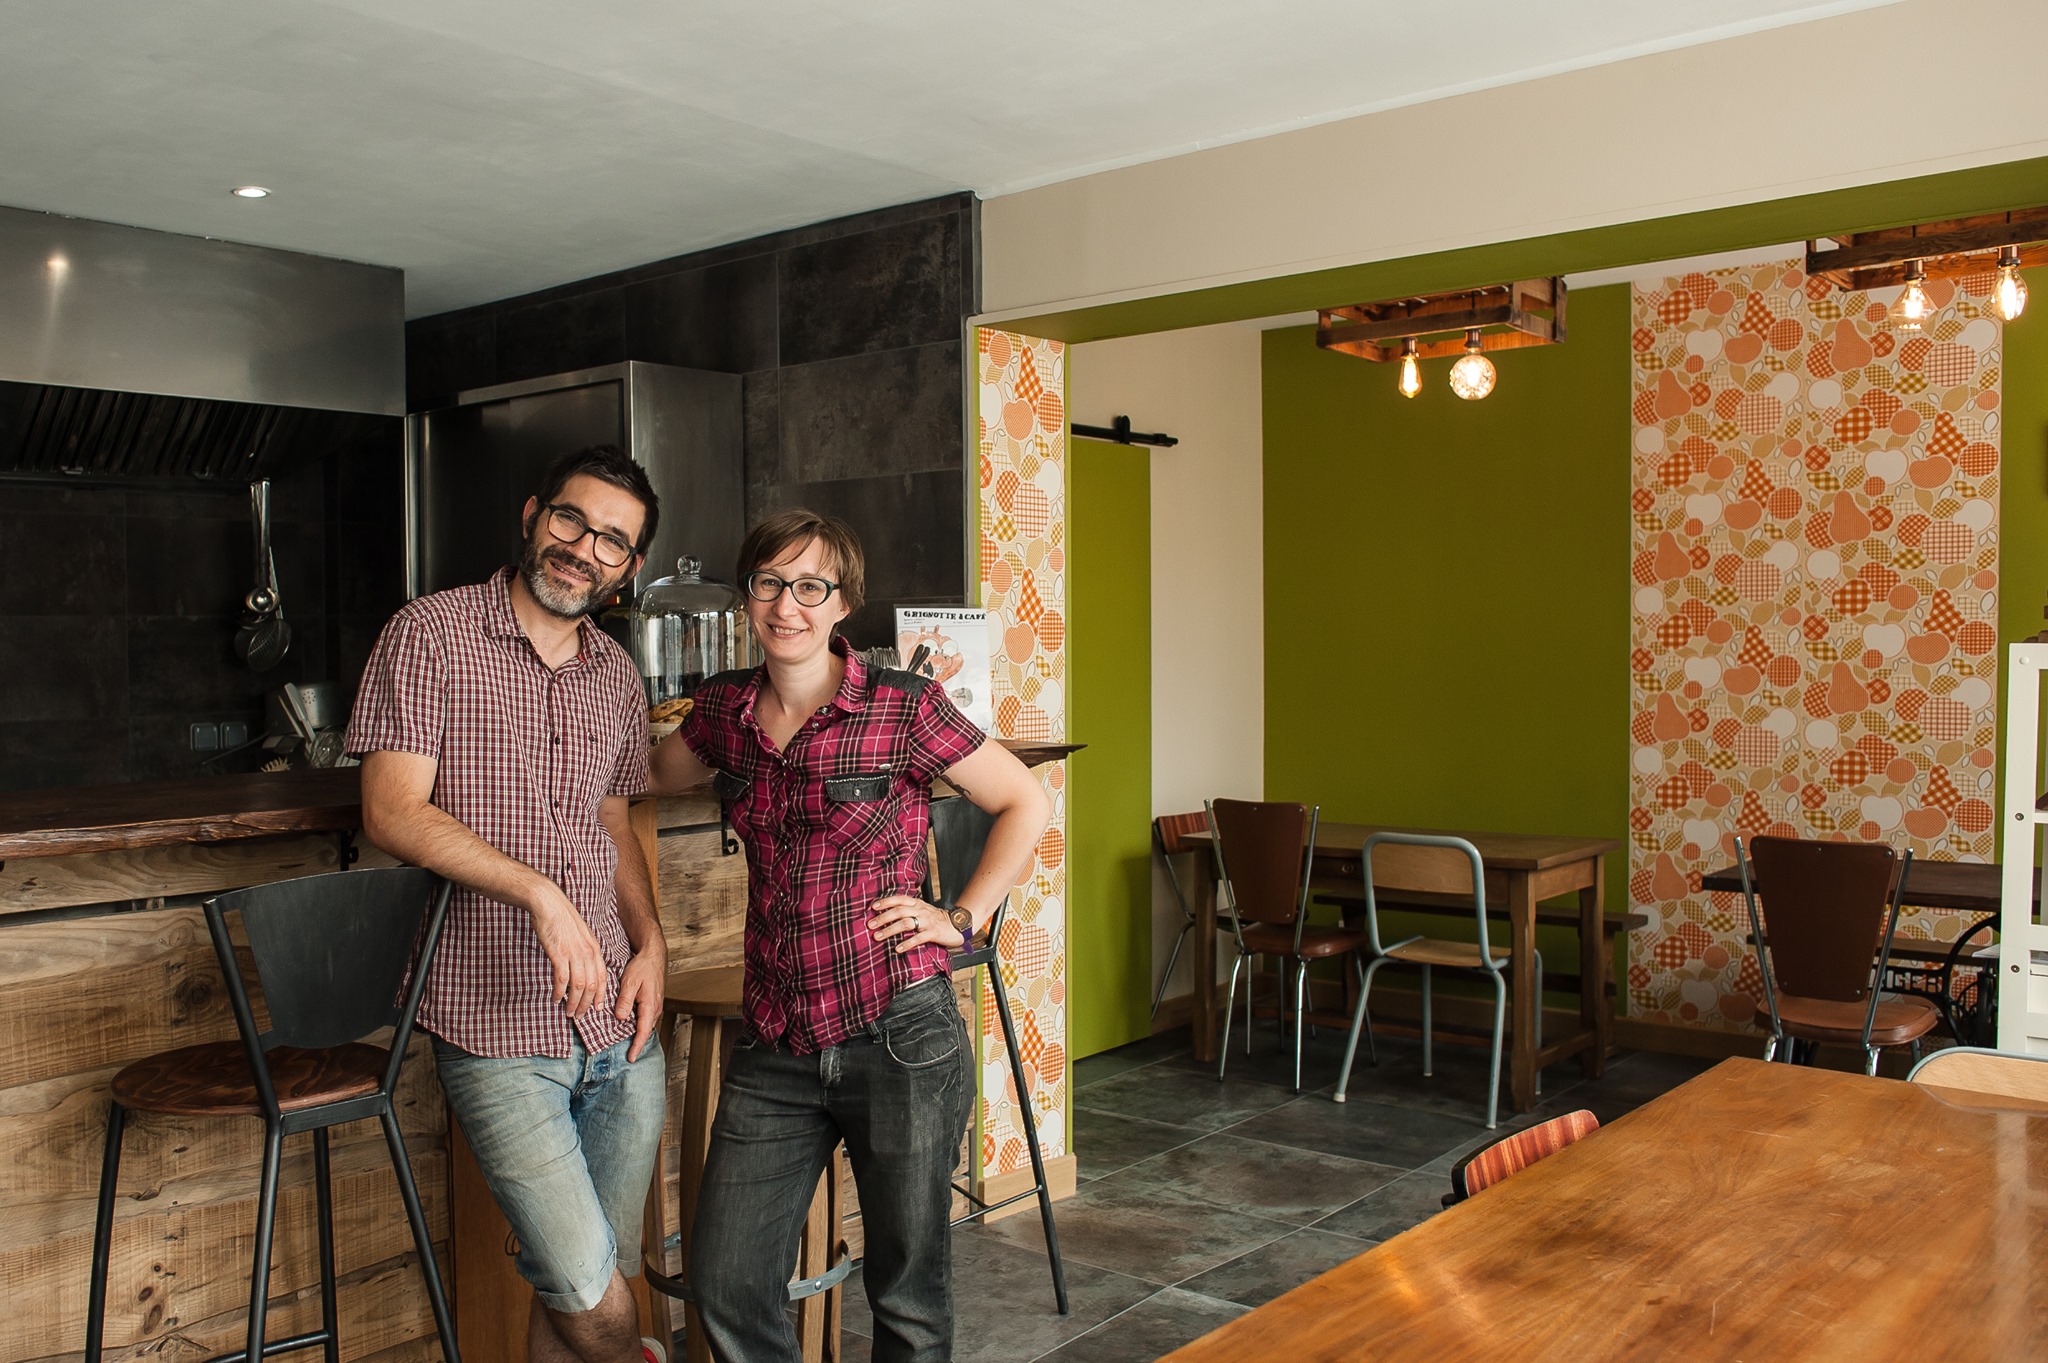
x=1758 y=1212
x=1971 y=885
x=1521 y=870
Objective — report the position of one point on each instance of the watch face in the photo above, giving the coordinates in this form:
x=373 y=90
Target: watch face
x=962 y=919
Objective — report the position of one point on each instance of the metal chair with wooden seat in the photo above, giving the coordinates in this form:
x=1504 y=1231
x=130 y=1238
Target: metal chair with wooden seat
x=1263 y=854
x=1829 y=908
x=330 y=954
x=1171 y=834
x=1984 y=1073
x=1437 y=862
x=1490 y=1164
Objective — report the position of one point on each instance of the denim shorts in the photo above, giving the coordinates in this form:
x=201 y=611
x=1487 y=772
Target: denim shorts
x=567 y=1146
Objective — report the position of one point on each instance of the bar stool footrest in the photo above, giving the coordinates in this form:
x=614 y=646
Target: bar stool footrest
x=799 y=1288
x=275 y=1346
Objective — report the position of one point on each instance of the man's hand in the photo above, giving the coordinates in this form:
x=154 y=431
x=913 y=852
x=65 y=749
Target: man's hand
x=578 y=965
x=641 y=991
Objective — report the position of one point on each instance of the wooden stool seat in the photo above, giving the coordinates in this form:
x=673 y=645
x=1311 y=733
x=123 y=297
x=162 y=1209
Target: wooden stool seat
x=710 y=998
x=214 y=1080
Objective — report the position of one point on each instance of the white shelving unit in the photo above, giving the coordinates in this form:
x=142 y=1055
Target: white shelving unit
x=2023 y=939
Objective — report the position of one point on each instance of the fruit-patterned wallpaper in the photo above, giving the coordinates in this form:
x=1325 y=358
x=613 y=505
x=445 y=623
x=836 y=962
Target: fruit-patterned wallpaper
x=1815 y=579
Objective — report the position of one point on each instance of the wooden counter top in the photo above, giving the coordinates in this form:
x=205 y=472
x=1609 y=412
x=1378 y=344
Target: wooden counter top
x=118 y=818
x=47 y=823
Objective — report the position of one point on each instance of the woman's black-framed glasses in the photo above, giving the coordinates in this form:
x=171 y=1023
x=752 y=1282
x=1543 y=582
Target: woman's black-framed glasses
x=568 y=527
x=808 y=591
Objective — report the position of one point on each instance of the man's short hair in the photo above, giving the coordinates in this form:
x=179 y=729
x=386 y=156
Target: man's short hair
x=609 y=464
x=786 y=530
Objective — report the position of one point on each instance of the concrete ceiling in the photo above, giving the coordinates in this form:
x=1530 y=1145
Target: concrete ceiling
x=493 y=147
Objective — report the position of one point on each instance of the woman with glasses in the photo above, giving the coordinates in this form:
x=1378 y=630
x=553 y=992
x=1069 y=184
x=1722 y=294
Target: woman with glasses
x=852 y=1033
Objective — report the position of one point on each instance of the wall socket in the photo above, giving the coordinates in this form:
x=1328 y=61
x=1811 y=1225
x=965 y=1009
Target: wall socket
x=211 y=737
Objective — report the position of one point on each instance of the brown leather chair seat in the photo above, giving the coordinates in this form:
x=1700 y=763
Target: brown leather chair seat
x=1277 y=939
x=1899 y=1020
x=214 y=1080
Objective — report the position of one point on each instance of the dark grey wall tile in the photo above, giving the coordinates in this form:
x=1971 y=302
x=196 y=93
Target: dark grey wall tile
x=878 y=290
x=193 y=502
x=721 y=318
x=576 y=332
x=177 y=665
x=898 y=411
x=761 y=409
x=35 y=754
x=446 y=354
x=181 y=566
x=369 y=482
x=63 y=553
x=370 y=569
x=62 y=667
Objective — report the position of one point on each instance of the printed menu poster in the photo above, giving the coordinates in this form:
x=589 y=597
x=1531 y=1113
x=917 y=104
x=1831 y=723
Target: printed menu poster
x=960 y=658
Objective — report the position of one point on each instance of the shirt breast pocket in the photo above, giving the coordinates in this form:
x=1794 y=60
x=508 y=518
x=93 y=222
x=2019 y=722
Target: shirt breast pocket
x=858 y=806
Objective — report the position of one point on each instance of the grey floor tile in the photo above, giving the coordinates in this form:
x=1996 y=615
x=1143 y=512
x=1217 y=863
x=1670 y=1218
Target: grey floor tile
x=1004 y=1308
x=1380 y=1133
x=1156 y=1234
x=1158 y=1325
x=1280 y=1181
x=1256 y=1278
x=1178 y=1097
x=1386 y=1212
x=1105 y=1142
x=1138 y=1054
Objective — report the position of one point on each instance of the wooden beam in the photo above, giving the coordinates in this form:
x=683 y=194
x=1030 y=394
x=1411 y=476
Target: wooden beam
x=1868 y=249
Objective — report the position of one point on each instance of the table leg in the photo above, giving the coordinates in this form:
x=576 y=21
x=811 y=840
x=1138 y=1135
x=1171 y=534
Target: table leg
x=1596 y=966
x=1522 y=988
x=699 y=1101
x=1203 y=1021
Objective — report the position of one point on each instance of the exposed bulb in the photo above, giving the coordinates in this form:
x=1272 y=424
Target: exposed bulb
x=1472 y=377
x=1411 y=370
x=2010 y=298
x=1914 y=306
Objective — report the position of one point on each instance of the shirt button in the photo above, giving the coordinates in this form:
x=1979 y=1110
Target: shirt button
x=558 y=740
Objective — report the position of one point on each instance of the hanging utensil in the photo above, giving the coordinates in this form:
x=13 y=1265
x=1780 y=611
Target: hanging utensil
x=264 y=637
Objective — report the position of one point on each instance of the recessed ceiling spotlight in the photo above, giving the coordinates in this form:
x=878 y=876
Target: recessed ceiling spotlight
x=250 y=192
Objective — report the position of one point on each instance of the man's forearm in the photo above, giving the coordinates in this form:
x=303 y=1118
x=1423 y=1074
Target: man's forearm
x=425 y=835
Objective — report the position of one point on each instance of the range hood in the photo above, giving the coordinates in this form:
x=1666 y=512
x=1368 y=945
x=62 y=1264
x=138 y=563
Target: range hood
x=128 y=353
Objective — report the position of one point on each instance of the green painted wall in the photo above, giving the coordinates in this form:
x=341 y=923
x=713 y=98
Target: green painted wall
x=1447 y=607
x=1109 y=708
x=1447 y=591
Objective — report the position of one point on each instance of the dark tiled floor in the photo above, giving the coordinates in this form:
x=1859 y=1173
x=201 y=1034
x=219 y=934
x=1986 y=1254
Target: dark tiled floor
x=1200 y=1199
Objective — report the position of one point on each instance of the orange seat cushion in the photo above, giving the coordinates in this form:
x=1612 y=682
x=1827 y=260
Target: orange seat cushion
x=1898 y=1021
x=1277 y=939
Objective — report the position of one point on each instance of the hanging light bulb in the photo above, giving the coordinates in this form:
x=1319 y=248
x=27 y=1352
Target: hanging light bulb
x=1472 y=377
x=2011 y=295
x=1914 y=306
x=1411 y=369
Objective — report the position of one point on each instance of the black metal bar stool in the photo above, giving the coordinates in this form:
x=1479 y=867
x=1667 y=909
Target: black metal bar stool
x=330 y=955
x=959 y=833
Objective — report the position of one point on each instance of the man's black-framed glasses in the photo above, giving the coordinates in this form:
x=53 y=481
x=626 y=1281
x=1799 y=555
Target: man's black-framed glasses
x=568 y=527
x=808 y=591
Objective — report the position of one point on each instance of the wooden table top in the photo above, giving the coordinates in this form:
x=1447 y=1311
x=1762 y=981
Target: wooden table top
x=1930 y=884
x=1757 y=1212
x=1499 y=851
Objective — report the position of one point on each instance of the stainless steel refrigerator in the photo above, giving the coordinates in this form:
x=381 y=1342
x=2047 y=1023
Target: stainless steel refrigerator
x=470 y=467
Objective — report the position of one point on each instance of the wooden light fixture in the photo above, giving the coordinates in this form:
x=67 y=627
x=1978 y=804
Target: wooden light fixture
x=1937 y=250
x=1496 y=317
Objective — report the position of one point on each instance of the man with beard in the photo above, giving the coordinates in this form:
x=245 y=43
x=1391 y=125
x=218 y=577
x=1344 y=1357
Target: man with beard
x=501 y=734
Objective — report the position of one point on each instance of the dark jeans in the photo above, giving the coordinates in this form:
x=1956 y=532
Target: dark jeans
x=899 y=1096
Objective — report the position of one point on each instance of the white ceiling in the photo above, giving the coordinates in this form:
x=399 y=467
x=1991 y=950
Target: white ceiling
x=492 y=147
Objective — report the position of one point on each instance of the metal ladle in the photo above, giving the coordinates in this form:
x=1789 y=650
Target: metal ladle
x=264 y=637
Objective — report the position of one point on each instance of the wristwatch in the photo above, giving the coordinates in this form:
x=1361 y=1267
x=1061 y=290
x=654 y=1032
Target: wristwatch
x=963 y=922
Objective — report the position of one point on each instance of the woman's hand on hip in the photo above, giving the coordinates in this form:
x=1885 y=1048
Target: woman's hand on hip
x=912 y=922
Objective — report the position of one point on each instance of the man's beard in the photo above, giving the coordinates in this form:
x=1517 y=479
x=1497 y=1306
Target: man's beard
x=565 y=603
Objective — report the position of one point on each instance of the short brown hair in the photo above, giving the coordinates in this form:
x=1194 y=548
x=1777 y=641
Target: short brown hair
x=776 y=535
